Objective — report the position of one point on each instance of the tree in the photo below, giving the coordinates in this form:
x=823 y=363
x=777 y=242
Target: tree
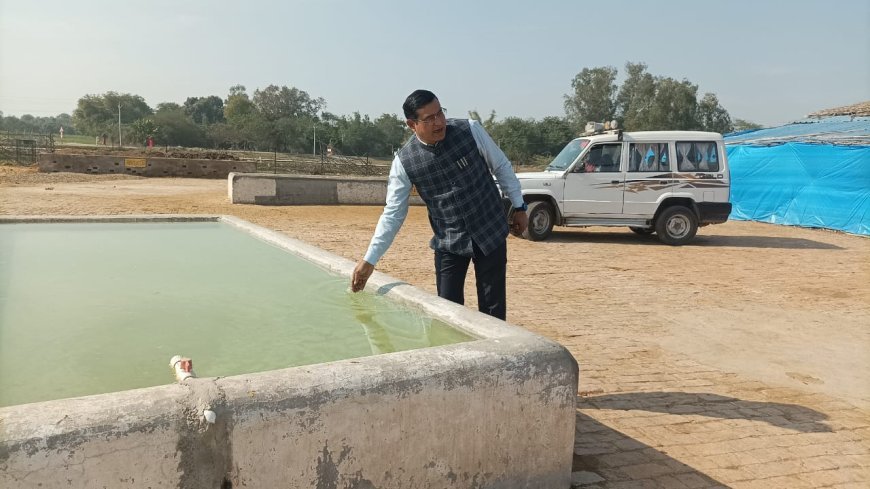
x=712 y=116
x=277 y=118
x=518 y=138
x=42 y=125
x=142 y=129
x=64 y=120
x=488 y=124
x=176 y=129
x=96 y=114
x=299 y=135
x=635 y=97
x=205 y=110
x=91 y=115
x=674 y=106
x=644 y=102
x=242 y=118
x=238 y=105
x=593 y=98
x=222 y=135
x=276 y=102
x=328 y=130
x=356 y=134
x=743 y=125
x=393 y=132
x=168 y=106
x=554 y=132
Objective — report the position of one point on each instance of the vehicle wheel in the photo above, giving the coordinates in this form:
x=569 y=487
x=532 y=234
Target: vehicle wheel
x=676 y=225
x=642 y=231
x=540 y=221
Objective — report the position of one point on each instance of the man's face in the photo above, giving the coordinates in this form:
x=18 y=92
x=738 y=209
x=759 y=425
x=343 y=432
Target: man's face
x=430 y=125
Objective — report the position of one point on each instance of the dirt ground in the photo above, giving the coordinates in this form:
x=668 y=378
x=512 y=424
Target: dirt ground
x=748 y=312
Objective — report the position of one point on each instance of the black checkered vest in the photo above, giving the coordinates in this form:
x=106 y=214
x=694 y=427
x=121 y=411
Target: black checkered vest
x=457 y=186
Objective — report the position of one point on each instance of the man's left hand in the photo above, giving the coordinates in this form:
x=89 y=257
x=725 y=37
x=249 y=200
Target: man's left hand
x=519 y=223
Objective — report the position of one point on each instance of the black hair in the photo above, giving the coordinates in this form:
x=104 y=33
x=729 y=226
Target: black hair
x=417 y=99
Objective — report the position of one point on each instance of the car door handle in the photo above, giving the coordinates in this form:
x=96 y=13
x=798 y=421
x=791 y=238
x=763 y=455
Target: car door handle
x=614 y=181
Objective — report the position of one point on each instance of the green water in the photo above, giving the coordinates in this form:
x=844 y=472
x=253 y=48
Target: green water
x=87 y=308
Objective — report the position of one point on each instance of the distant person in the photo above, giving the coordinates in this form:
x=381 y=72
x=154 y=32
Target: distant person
x=61 y=132
x=451 y=163
x=589 y=167
x=150 y=142
x=105 y=137
x=590 y=162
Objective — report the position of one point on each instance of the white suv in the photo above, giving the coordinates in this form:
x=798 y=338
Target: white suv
x=663 y=182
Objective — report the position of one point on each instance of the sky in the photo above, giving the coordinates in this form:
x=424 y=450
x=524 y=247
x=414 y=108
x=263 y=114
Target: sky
x=768 y=62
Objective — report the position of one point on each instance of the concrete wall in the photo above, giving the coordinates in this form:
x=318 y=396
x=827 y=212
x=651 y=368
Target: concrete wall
x=270 y=189
x=497 y=412
x=148 y=167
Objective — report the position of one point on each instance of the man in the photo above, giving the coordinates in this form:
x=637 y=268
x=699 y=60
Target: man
x=451 y=163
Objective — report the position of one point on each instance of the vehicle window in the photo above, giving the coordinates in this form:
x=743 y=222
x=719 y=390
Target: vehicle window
x=604 y=158
x=568 y=154
x=697 y=156
x=648 y=157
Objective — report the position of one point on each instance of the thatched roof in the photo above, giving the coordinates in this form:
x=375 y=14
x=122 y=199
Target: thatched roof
x=859 y=109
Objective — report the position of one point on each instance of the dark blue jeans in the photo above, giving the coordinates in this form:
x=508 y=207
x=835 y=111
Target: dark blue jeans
x=450 y=272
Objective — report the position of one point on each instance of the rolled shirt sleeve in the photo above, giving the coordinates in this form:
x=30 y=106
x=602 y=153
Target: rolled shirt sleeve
x=395 y=212
x=498 y=163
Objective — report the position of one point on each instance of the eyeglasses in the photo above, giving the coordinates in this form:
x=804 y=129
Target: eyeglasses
x=434 y=117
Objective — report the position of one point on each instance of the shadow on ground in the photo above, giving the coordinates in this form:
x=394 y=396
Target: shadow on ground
x=605 y=457
x=762 y=242
x=786 y=416
x=629 y=238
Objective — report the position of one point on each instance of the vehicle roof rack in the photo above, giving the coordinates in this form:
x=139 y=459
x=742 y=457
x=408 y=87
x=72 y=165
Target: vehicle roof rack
x=595 y=128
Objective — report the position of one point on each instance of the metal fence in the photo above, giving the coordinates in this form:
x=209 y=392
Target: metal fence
x=22 y=149
x=323 y=164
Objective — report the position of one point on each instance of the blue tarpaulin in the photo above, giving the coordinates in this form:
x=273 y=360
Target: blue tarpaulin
x=802 y=184
x=831 y=130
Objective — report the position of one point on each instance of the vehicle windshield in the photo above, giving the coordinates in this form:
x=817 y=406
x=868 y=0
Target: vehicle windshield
x=568 y=154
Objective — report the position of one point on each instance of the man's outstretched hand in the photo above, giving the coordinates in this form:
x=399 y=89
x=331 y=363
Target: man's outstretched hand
x=361 y=274
x=519 y=223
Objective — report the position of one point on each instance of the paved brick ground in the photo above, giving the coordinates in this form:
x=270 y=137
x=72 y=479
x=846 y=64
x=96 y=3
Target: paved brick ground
x=652 y=431
x=648 y=418
x=739 y=361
